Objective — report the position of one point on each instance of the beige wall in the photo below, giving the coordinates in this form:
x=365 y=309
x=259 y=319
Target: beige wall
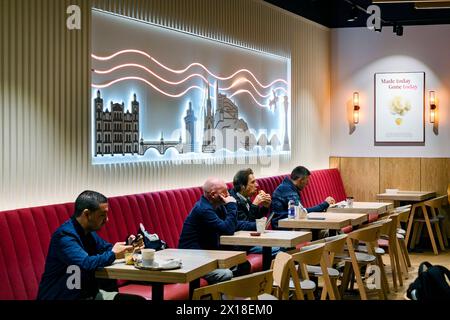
x=45 y=102
x=365 y=177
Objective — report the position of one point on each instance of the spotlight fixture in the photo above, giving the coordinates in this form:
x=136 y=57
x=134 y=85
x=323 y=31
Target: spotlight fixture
x=398 y=29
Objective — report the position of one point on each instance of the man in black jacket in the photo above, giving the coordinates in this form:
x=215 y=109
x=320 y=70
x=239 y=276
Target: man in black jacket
x=245 y=187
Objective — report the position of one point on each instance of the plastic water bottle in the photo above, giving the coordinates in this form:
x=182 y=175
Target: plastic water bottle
x=291 y=209
x=302 y=212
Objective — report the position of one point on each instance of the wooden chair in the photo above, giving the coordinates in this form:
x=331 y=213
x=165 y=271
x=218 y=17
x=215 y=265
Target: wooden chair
x=334 y=246
x=389 y=233
x=387 y=236
x=439 y=206
x=403 y=217
x=433 y=219
x=283 y=271
x=249 y=286
x=370 y=235
x=309 y=259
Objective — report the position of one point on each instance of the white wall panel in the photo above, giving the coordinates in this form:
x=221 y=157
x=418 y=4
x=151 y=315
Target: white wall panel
x=45 y=94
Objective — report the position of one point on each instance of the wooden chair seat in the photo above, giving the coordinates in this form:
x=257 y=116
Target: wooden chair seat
x=306 y=285
x=317 y=271
x=266 y=296
x=423 y=220
x=363 y=249
x=361 y=257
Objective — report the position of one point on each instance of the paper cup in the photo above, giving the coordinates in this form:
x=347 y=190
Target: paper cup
x=148 y=256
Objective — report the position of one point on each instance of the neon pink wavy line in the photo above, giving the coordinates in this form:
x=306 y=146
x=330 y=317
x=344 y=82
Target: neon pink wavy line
x=101 y=86
x=151 y=72
x=238 y=81
x=235 y=83
x=187 y=68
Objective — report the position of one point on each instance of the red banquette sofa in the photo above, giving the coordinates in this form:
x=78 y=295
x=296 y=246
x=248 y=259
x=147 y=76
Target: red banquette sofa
x=25 y=233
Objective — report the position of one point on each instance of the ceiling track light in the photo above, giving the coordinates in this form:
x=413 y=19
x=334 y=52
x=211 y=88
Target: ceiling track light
x=398 y=29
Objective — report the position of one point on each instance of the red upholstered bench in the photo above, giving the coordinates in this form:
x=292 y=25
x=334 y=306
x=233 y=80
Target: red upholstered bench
x=25 y=233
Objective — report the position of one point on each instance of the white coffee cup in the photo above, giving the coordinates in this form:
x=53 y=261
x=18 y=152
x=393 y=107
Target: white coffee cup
x=148 y=256
x=260 y=225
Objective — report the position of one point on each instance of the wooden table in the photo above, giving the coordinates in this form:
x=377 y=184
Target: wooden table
x=362 y=207
x=416 y=198
x=267 y=240
x=196 y=263
x=333 y=221
x=410 y=196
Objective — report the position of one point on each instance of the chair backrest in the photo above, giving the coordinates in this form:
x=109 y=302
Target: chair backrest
x=388 y=227
x=248 y=286
x=403 y=212
x=334 y=245
x=370 y=233
x=436 y=204
x=283 y=270
x=309 y=255
x=312 y=256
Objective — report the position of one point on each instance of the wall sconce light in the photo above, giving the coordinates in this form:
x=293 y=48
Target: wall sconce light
x=355 y=107
x=432 y=102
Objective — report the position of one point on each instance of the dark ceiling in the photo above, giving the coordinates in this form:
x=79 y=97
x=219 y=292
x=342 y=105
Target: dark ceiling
x=335 y=13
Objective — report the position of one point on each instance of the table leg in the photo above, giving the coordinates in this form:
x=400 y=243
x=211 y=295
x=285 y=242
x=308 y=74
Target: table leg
x=315 y=234
x=157 y=291
x=267 y=257
x=194 y=284
x=410 y=223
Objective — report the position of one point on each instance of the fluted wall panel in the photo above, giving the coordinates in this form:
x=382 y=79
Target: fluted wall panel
x=45 y=94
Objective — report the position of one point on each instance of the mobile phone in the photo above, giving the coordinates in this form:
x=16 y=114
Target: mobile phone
x=137 y=240
x=316 y=218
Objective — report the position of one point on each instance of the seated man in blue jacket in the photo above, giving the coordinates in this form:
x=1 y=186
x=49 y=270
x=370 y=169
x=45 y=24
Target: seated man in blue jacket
x=76 y=252
x=215 y=214
x=290 y=189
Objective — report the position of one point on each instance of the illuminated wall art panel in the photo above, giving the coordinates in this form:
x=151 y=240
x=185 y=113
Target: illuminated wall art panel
x=161 y=94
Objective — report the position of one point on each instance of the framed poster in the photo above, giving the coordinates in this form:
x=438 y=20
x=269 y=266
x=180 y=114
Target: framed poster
x=400 y=108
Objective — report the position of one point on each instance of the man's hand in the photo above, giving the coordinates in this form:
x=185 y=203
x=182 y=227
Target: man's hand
x=259 y=199
x=330 y=200
x=120 y=248
x=267 y=200
x=227 y=199
x=263 y=199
